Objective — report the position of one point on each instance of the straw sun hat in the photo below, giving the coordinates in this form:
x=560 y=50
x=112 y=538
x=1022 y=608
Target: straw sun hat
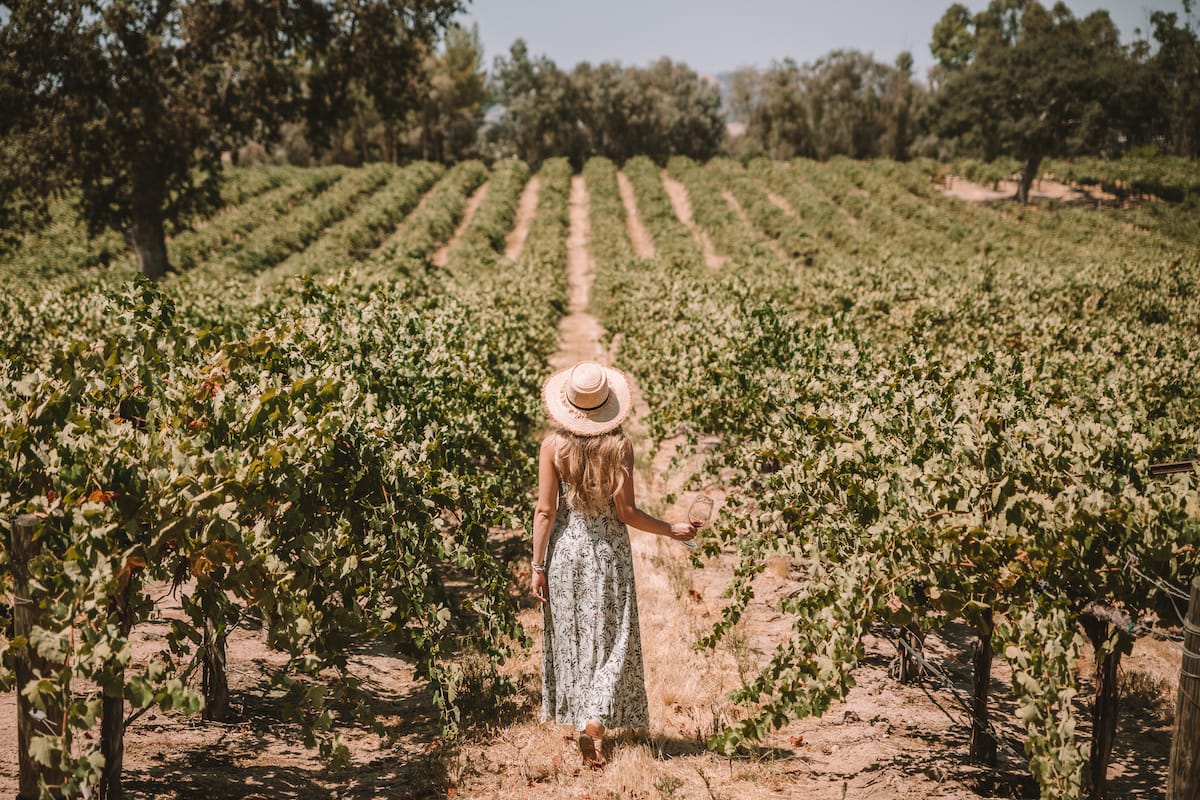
x=588 y=399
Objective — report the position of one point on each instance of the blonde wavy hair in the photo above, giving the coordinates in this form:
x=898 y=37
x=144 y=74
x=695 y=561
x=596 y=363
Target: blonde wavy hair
x=591 y=467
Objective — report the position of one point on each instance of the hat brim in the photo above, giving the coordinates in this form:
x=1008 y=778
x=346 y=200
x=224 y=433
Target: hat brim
x=607 y=417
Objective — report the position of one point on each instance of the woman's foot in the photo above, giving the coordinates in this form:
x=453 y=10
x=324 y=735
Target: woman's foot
x=591 y=745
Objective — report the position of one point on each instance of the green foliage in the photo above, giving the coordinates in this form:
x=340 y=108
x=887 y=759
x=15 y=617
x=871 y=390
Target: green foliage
x=1164 y=177
x=920 y=414
x=480 y=243
x=1043 y=650
x=1176 y=72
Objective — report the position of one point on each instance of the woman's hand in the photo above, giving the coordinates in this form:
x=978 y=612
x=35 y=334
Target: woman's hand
x=540 y=586
x=682 y=531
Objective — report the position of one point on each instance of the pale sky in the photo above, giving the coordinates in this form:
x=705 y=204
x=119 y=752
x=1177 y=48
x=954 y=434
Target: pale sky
x=715 y=37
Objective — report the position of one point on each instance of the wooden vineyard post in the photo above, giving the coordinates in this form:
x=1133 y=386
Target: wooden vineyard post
x=1183 y=775
x=29 y=664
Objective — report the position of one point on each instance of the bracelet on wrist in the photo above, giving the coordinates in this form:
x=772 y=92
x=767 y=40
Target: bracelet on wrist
x=539 y=566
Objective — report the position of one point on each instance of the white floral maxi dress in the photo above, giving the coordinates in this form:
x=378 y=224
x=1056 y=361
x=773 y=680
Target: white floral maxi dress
x=591 y=644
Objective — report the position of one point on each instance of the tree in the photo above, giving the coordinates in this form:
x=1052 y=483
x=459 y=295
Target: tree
x=659 y=111
x=1176 y=67
x=1029 y=83
x=540 y=113
x=685 y=109
x=845 y=103
x=845 y=98
x=899 y=102
x=778 y=115
x=369 y=58
x=130 y=103
x=456 y=93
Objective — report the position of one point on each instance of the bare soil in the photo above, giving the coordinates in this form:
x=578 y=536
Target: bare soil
x=442 y=255
x=677 y=192
x=783 y=205
x=526 y=208
x=1042 y=189
x=643 y=245
x=579 y=331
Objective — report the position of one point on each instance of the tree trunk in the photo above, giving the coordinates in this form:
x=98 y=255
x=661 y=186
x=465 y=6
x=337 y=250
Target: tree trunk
x=360 y=125
x=983 y=744
x=147 y=236
x=1106 y=707
x=425 y=125
x=900 y=145
x=390 y=150
x=1028 y=173
x=214 y=679
x=112 y=711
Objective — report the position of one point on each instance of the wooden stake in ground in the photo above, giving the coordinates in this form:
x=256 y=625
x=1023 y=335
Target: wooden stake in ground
x=1183 y=777
x=29 y=664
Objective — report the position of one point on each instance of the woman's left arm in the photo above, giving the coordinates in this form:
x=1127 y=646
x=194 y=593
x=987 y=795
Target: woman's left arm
x=629 y=513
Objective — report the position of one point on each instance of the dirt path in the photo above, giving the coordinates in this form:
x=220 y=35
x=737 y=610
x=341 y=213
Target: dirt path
x=526 y=208
x=442 y=255
x=579 y=332
x=741 y=214
x=782 y=205
x=677 y=192
x=685 y=688
x=643 y=245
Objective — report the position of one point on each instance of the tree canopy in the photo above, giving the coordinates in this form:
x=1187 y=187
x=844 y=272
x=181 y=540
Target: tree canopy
x=843 y=104
x=1175 y=71
x=659 y=111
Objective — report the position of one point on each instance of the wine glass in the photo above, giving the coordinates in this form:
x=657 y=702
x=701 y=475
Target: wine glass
x=699 y=514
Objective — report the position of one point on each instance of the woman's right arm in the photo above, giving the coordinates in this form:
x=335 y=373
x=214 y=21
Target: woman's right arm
x=543 y=515
x=630 y=514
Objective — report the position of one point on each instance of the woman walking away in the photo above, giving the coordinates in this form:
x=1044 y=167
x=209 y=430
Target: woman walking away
x=592 y=675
